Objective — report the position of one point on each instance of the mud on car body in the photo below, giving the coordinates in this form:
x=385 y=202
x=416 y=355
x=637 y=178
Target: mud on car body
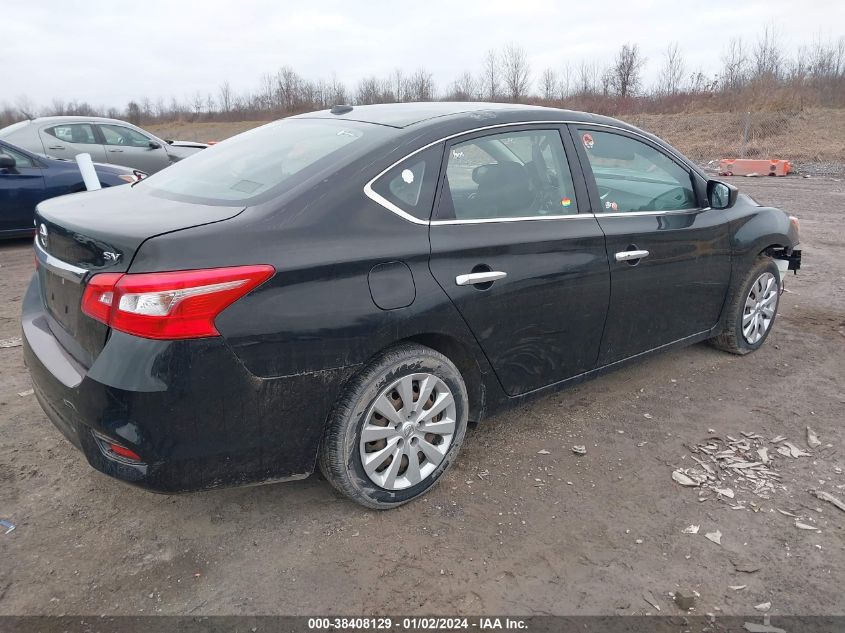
x=347 y=289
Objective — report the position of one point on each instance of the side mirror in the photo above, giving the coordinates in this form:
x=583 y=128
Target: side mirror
x=7 y=162
x=154 y=145
x=721 y=195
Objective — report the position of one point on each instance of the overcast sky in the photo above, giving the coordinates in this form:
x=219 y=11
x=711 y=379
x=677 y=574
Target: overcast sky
x=111 y=52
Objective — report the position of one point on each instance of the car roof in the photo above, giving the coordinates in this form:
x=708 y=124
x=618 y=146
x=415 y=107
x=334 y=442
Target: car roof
x=72 y=119
x=403 y=115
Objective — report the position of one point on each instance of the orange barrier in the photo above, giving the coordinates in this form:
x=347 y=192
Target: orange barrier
x=752 y=167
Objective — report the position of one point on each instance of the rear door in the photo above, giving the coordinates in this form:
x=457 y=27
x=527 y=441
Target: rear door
x=21 y=188
x=516 y=249
x=669 y=253
x=130 y=148
x=66 y=140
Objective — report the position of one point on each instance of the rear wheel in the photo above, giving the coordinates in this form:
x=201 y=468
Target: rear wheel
x=751 y=310
x=396 y=428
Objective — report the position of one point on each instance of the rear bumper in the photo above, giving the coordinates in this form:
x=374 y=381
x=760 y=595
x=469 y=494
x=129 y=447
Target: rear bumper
x=196 y=417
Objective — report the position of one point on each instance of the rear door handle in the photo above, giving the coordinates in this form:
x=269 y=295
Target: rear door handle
x=627 y=256
x=479 y=278
x=116 y=151
x=55 y=147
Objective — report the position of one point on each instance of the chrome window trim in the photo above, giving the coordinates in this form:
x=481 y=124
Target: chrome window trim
x=624 y=214
x=383 y=202
x=57 y=266
x=571 y=216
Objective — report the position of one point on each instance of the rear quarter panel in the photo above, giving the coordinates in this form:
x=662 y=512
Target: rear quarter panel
x=317 y=313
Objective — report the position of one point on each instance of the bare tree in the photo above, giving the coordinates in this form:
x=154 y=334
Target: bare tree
x=398 y=86
x=516 y=71
x=225 y=97
x=133 y=113
x=337 y=91
x=672 y=73
x=287 y=89
x=197 y=104
x=767 y=54
x=700 y=83
x=25 y=106
x=734 y=65
x=464 y=88
x=549 y=84
x=566 y=81
x=625 y=72
x=266 y=92
x=368 y=91
x=606 y=81
x=57 y=108
x=587 y=77
x=420 y=86
x=160 y=109
x=491 y=76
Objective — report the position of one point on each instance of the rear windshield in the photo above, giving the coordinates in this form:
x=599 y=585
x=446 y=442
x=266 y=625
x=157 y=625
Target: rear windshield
x=258 y=165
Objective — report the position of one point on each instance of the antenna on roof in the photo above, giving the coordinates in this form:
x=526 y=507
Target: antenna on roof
x=341 y=109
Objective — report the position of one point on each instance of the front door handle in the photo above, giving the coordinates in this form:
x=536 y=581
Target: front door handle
x=627 y=256
x=55 y=147
x=479 y=278
x=116 y=151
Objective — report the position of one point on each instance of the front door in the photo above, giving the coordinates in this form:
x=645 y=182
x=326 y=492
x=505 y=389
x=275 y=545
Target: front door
x=670 y=255
x=516 y=249
x=130 y=148
x=21 y=188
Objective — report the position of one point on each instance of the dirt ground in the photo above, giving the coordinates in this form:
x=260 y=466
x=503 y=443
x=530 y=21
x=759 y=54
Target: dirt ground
x=508 y=530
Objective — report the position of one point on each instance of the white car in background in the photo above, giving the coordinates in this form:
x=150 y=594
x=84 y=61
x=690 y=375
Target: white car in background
x=107 y=140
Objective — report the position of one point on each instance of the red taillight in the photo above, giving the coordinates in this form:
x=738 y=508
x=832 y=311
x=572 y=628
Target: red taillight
x=98 y=297
x=173 y=305
x=117 y=449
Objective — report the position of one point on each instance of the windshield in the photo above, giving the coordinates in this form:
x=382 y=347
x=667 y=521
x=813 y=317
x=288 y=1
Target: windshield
x=259 y=164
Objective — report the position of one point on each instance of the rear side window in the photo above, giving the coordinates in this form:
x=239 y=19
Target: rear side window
x=74 y=133
x=634 y=176
x=119 y=135
x=507 y=175
x=410 y=185
x=263 y=162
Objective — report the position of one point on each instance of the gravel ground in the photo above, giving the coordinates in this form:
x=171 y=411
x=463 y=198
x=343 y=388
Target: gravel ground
x=510 y=529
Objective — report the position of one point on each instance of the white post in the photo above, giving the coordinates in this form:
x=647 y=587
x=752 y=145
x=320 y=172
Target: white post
x=89 y=174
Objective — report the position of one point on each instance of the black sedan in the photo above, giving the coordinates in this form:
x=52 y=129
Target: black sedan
x=349 y=288
x=26 y=179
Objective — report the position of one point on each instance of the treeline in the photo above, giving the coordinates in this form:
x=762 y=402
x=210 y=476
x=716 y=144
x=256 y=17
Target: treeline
x=759 y=75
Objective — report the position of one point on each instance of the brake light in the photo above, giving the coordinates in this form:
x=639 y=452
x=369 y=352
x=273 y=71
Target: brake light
x=173 y=305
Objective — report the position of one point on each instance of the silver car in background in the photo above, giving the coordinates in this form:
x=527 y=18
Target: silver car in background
x=107 y=140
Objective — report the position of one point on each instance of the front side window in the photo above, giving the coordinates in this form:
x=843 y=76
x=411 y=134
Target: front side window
x=411 y=184
x=124 y=136
x=507 y=175
x=82 y=133
x=633 y=176
x=21 y=160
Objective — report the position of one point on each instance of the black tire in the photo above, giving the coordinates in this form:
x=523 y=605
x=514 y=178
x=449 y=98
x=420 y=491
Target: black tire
x=340 y=458
x=731 y=338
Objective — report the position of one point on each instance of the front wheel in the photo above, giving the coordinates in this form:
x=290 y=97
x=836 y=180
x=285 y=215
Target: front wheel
x=751 y=310
x=396 y=428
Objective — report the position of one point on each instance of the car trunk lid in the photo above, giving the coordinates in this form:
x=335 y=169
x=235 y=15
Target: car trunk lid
x=84 y=234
